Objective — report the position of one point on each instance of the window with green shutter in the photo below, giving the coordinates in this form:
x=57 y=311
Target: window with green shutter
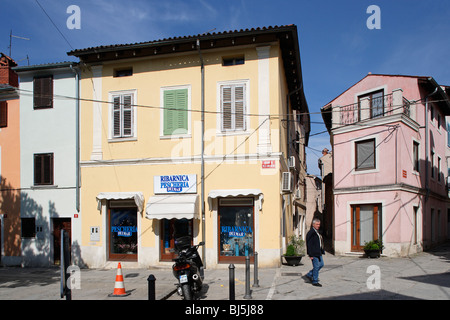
x=175 y=112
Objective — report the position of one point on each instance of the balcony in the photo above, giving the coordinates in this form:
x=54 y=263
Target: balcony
x=375 y=106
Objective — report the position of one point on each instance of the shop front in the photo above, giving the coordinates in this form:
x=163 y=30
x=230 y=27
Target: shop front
x=175 y=207
x=236 y=222
x=121 y=211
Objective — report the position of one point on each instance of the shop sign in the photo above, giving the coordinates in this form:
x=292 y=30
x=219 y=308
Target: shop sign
x=123 y=231
x=181 y=183
x=237 y=232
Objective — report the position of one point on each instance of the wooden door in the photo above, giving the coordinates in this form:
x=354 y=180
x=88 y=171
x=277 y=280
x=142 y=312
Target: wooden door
x=365 y=225
x=58 y=225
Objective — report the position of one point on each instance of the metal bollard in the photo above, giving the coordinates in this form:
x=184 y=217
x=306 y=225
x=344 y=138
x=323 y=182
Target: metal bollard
x=248 y=294
x=255 y=271
x=231 y=281
x=151 y=287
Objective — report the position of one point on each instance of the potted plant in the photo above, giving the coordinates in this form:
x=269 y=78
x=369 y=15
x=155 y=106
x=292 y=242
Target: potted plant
x=373 y=248
x=294 y=251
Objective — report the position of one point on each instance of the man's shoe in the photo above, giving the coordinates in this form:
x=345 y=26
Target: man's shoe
x=317 y=284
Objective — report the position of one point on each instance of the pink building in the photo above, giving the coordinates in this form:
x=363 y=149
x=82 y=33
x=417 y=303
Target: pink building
x=389 y=140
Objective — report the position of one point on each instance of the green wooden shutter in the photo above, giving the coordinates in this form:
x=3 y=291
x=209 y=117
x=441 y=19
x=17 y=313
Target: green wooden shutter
x=175 y=112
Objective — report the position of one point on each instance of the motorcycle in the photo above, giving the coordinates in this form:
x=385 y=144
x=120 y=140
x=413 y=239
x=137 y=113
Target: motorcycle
x=188 y=268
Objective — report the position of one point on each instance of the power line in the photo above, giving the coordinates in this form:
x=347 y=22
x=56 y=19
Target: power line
x=54 y=24
x=280 y=115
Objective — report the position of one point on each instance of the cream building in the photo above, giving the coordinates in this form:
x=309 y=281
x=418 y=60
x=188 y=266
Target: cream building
x=188 y=136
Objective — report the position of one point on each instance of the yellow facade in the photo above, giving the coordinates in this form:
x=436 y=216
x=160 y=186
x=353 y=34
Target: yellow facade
x=232 y=160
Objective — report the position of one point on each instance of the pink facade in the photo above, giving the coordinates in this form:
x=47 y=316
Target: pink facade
x=389 y=175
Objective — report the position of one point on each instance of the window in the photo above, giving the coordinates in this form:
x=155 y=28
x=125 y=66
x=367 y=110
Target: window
x=376 y=103
x=365 y=155
x=123 y=72
x=43 y=92
x=233 y=107
x=415 y=220
x=233 y=61
x=175 y=117
x=3 y=114
x=439 y=169
x=43 y=169
x=123 y=115
x=28 y=227
x=416 y=156
x=432 y=164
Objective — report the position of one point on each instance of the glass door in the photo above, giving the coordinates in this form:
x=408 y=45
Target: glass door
x=366 y=221
x=236 y=230
x=170 y=230
x=123 y=239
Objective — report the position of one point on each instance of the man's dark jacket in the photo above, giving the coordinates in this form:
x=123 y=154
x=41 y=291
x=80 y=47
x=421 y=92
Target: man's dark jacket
x=313 y=248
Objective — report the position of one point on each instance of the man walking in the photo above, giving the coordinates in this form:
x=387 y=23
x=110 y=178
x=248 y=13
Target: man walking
x=314 y=249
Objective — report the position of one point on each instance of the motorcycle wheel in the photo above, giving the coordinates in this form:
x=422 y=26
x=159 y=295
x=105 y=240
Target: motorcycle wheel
x=187 y=292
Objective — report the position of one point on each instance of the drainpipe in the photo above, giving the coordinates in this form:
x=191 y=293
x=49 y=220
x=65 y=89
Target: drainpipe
x=77 y=137
x=202 y=153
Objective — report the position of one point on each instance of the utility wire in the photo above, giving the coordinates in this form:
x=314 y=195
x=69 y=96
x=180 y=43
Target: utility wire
x=54 y=24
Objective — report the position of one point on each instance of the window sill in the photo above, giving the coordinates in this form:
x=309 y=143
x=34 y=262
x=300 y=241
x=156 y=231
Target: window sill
x=44 y=186
x=176 y=136
x=232 y=133
x=356 y=172
x=127 y=139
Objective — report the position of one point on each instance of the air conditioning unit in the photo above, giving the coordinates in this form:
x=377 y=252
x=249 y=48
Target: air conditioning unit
x=291 y=162
x=298 y=194
x=287 y=182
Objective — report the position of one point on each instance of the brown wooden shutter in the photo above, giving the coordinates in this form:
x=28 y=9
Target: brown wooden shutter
x=43 y=92
x=3 y=114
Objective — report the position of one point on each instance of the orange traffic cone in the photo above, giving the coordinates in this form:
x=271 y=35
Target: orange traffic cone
x=119 y=287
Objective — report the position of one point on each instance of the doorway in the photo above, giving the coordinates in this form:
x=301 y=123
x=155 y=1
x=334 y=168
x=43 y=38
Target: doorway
x=366 y=225
x=58 y=225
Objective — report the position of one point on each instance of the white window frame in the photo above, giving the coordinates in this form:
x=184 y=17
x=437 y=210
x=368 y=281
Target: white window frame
x=161 y=119
x=220 y=131
x=111 y=96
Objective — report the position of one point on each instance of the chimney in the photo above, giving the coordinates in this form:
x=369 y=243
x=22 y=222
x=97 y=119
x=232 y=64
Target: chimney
x=8 y=76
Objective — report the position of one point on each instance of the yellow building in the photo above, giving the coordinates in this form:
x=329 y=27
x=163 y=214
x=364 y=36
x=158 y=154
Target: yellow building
x=158 y=116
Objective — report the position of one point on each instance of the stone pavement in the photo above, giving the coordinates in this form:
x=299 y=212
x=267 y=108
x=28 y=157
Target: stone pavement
x=420 y=276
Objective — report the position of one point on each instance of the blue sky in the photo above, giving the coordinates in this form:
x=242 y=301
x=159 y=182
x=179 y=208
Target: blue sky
x=336 y=47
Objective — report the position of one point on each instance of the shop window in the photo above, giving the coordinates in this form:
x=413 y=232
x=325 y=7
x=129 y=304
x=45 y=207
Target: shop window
x=236 y=229
x=171 y=230
x=123 y=237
